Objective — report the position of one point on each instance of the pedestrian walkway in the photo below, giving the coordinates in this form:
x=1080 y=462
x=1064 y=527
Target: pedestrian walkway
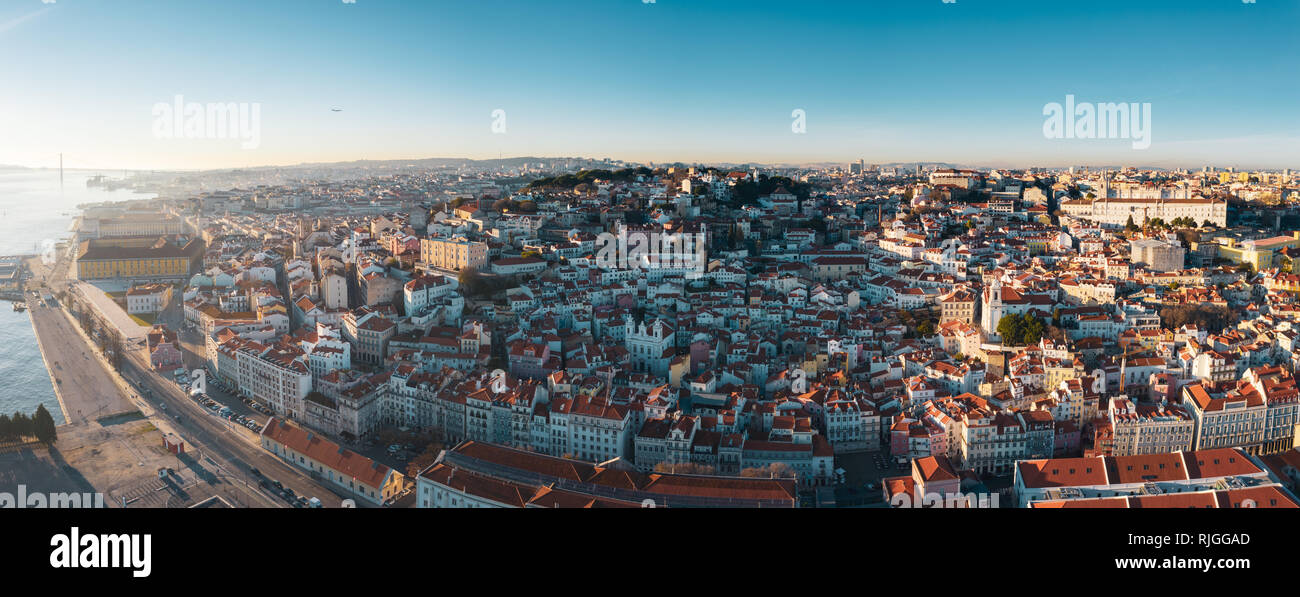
x=83 y=384
x=109 y=310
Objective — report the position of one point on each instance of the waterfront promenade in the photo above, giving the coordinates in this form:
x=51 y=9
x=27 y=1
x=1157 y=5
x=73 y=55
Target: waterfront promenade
x=85 y=387
x=83 y=383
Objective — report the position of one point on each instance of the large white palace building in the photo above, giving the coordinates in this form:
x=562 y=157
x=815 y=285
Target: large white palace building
x=1114 y=203
x=1116 y=212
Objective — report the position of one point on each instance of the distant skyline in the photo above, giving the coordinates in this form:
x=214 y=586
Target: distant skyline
x=674 y=80
x=928 y=164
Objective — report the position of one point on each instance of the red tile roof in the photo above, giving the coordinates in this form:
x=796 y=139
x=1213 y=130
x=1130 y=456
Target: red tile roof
x=1221 y=462
x=1062 y=472
x=343 y=461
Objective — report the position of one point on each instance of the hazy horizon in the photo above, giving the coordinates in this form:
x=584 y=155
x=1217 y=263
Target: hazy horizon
x=724 y=163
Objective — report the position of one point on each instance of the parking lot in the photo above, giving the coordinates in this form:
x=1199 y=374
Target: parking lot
x=867 y=469
x=223 y=402
x=395 y=450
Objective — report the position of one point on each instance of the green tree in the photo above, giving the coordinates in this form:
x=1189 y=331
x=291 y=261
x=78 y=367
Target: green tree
x=424 y=460
x=1010 y=327
x=22 y=425
x=43 y=426
x=1032 y=331
x=1189 y=235
x=1018 y=330
x=471 y=281
x=1206 y=316
x=817 y=225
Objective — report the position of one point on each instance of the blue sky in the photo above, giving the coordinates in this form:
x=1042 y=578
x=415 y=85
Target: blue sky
x=690 y=80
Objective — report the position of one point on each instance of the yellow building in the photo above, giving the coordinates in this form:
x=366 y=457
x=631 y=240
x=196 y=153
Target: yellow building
x=1059 y=372
x=1036 y=245
x=1259 y=253
x=453 y=253
x=138 y=257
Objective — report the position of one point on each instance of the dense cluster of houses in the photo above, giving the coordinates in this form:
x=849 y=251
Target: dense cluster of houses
x=976 y=319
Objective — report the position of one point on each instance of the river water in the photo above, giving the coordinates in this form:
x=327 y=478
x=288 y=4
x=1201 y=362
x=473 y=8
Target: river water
x=36 y=212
